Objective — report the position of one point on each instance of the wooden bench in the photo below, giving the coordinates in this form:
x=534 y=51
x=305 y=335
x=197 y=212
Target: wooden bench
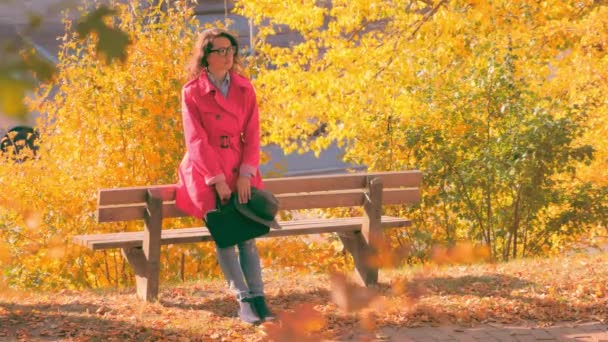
x=358 y=234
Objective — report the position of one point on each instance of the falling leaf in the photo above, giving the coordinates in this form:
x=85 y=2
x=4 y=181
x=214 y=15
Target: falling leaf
x=460 y=253
x=385 y=256
x=551 y=292
x=412 y=289
x=56 y=247
x=295 y=326
x=406 y=293
x=34 y=20
x=348 y=296
x=32 y=219
x=40 y=67
x=600 y=290
x=32 y=247
x=111 y=42
x=5 y=253
x=368 y=320
x=12 y=92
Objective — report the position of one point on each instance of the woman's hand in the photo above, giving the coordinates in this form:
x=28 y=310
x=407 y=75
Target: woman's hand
x=223 y=191
x=243 y=186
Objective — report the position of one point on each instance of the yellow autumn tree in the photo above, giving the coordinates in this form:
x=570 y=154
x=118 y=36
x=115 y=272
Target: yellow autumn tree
x=498 y=102
x=104 y=125
x=109 y=125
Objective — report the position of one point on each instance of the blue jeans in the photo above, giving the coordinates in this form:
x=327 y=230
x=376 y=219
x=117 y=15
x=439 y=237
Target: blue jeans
x=243 y=271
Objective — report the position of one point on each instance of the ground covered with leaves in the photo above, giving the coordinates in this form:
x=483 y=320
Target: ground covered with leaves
x=323 y=307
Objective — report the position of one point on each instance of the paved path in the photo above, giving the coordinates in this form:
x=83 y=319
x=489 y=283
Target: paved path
x=567 y=331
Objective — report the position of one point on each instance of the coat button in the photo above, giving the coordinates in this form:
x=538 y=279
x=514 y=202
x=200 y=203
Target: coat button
x=217 y=117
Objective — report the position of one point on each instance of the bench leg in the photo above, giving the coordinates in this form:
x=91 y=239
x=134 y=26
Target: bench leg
x=146 y=260
x=361 y=245
x=145 y=281
x=356 y=245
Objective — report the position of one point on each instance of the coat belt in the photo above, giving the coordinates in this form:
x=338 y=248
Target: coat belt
x=225 y=141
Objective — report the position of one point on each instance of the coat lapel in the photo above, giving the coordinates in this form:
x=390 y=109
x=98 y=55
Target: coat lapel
x=235 y=92
x=227 y=103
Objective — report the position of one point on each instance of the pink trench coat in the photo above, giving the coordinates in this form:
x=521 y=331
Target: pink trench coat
x=222 y=141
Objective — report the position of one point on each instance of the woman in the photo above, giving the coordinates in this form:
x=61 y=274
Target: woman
x=222 y=132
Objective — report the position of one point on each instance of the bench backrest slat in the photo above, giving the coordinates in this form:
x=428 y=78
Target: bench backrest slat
x=136 y=194
x=348 y=198
x=328 y=199
x=341 y=182
x=133 y=195
x=307 y=192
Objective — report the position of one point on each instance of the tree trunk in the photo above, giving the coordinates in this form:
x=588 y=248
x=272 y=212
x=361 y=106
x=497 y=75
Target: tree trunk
x=475 y=211
x=506 y=248
x=105 y=259
x=447 y=222
x=115 y=269
x=515 y=223
x=489 y=212
x=182 y=267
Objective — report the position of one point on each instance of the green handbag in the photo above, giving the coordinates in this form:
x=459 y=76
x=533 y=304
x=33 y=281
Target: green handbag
x=229 y=227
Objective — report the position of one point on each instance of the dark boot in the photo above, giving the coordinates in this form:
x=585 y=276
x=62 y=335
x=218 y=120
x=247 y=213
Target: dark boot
x=262 y=309
x=247 y=312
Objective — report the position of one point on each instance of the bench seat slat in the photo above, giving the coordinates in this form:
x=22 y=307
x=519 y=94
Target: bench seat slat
x=137 y=194
x=328 y=199
x=191 y=235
